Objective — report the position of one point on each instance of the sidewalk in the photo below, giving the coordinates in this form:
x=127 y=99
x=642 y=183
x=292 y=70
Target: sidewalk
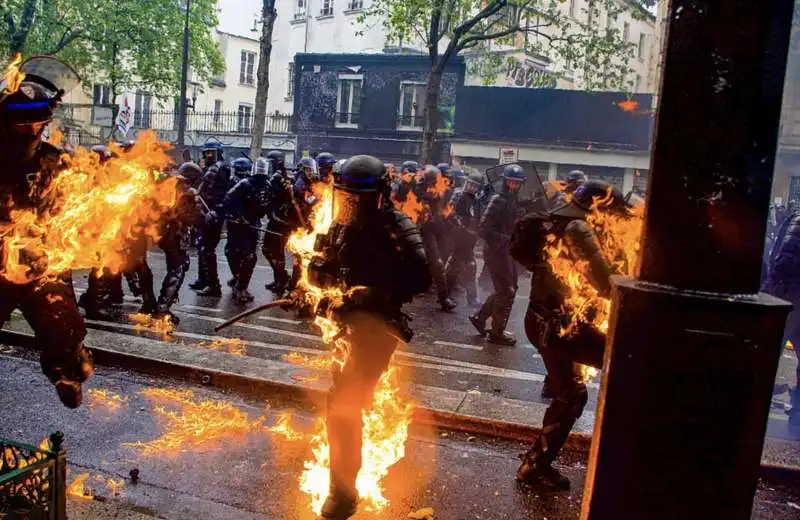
x=467 y=411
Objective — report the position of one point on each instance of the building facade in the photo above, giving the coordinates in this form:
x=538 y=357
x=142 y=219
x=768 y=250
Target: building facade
x=350 y=104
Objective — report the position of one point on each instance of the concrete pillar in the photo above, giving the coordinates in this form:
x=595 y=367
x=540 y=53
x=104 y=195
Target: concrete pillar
x=552 y=172
x=692 y=347
x=627 y=180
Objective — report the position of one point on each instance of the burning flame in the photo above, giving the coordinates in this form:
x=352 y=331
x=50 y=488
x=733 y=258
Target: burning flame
x=789 y=345
x=195 y=425
x=386 y=422
x=145 y=322
x=12 y=75
x=284 y=428
x=441 y=186
x=94 y=212
x=628 y=105
x=619 y=239
x=77 y=488
x=412 y=207
x=319 y=362
x=103 y=398
x=56 y=137
x=448 y=210
x=234 y=346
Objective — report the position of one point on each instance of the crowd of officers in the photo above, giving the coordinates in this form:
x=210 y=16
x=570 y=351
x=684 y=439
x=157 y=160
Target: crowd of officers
x=372 y=249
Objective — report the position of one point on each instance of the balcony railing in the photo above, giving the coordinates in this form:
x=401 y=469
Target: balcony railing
x=210 y=121
x=348 y=119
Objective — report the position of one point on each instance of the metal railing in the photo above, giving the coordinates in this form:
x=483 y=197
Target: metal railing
x=348 y=118
x=208 y=121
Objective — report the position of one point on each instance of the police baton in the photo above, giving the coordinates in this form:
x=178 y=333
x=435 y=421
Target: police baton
x=284 y=302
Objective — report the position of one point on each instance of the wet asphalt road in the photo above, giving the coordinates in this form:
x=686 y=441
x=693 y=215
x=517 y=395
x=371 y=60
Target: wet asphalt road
x=254 y=475
x=445 y=352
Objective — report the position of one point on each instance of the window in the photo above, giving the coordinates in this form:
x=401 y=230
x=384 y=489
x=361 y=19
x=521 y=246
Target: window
x=355 y=5
x=290 y=81
x=244 y=118
x=300 y=10
x=348 y=100
x=101 y=95
x=572 y=7
x=327 y=8
x=412 y=105
x=141 y=109
x=217 y=115
x=642 y=44
x=626 y=31
x=248 y=64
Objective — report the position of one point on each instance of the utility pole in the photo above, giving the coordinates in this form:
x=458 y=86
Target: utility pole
x=184 y=80
x=268 y=15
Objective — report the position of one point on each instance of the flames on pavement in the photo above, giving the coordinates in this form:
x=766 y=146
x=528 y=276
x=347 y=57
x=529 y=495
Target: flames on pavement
x=145 y=322
x=105 y=399
x=233 y=346
x=193 y=424
x=386 y=422
x=283 y=427
x=619 y=240
x=93 y=213
x=80 y=488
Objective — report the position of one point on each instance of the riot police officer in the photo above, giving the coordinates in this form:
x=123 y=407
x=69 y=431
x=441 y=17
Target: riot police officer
x=574 y=179
x=245 y=205
x=461 y=267
x=325 y=164
x=544 y=318
x=433 y=229
x=281 y=220
x=242 y=168
x=404 y=183
x=29 y=165
x=215 y=184
x=495 y=228
x=372 y=245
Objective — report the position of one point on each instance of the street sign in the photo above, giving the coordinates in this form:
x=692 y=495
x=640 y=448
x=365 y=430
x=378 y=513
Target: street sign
x=508 y=155
x=102 y=116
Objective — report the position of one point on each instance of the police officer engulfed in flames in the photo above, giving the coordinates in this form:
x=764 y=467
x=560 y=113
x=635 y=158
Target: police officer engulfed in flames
x=48 y=304
x=545 y=320
x=375 y=248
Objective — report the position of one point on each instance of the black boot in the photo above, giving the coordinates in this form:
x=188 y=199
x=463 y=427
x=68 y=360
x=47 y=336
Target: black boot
x=198 y=284
x=213 y=291
x=242 y=296
x=161 y=313
x=547 y=392
x=503 y=338
x=479 y=323
x=339 y=506
x=447 y=304
x=541 y=477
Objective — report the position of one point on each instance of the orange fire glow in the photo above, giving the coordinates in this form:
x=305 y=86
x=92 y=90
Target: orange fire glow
x=194 y=425
x=234 y=346
x=628 y=105
x=105 y=399
x=386 y=422
x=318 y=362
x=79 y=487
x=95 y=211
x=789 y=345
x=145 y=322
x=283 y=427
x=56 y=137
x=440 y=188
x=412 y=207
x=12 y=75
x=619 y=240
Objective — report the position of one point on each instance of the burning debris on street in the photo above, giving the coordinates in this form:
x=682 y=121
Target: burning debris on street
x=163 y=326
x=85 y=487
x=192 y=424
x=105 y=399
x=233 y=346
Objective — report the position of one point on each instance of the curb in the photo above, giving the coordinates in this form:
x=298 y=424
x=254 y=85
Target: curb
x=305 y=396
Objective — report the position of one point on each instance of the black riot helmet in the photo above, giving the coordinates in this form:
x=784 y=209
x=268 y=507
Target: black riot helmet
x=444 y=168
x=276 y=160
x=28 y=95
x=513 y=178
x=473 y=182
x=325 y=163
x=409 y=167
x=574 y=179
x=190 y=172
x=359 y=188
x=602 y=195
x=212 y=153
x=430 y=174
x=242 y=166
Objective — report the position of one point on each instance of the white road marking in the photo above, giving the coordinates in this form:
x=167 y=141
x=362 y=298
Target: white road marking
x=198 y=308
x=280 y=320
x=459 y=345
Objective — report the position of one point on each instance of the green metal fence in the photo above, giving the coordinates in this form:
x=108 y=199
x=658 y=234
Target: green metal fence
x=33 y=480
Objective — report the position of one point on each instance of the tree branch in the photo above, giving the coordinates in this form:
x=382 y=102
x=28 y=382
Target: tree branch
x=66 y=38
x=433 y=31
x=483 y=37
x=493 y=8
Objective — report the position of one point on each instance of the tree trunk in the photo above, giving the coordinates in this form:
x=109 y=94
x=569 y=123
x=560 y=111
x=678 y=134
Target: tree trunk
x=268 y=15
x=19 y=37
x=431 y=116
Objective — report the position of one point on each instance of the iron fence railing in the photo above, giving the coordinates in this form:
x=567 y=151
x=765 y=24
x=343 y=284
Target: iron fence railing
x=348 y=118
x=33 y=480
x=239 y=122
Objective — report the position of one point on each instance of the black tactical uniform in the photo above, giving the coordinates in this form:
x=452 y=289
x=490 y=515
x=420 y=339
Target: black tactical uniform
x=461 y=268
x=434 y=230
x=282 y=217
x=176 y=238
x=30 y=164
x=545 y=318
x=245 y=206
x=495 y=228
x=216 y=183
x=242 y=168
x=370 y=244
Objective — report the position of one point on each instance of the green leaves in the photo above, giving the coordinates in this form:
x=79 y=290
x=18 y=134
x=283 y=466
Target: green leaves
x=127 y=43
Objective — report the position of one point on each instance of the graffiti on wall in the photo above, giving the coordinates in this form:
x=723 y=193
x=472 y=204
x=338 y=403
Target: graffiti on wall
x=527 y=75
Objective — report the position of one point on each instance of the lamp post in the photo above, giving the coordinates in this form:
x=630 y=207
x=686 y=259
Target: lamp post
x=184 y=80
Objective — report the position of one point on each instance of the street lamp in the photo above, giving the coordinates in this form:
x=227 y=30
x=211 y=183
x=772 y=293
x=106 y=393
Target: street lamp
x=184 y=79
